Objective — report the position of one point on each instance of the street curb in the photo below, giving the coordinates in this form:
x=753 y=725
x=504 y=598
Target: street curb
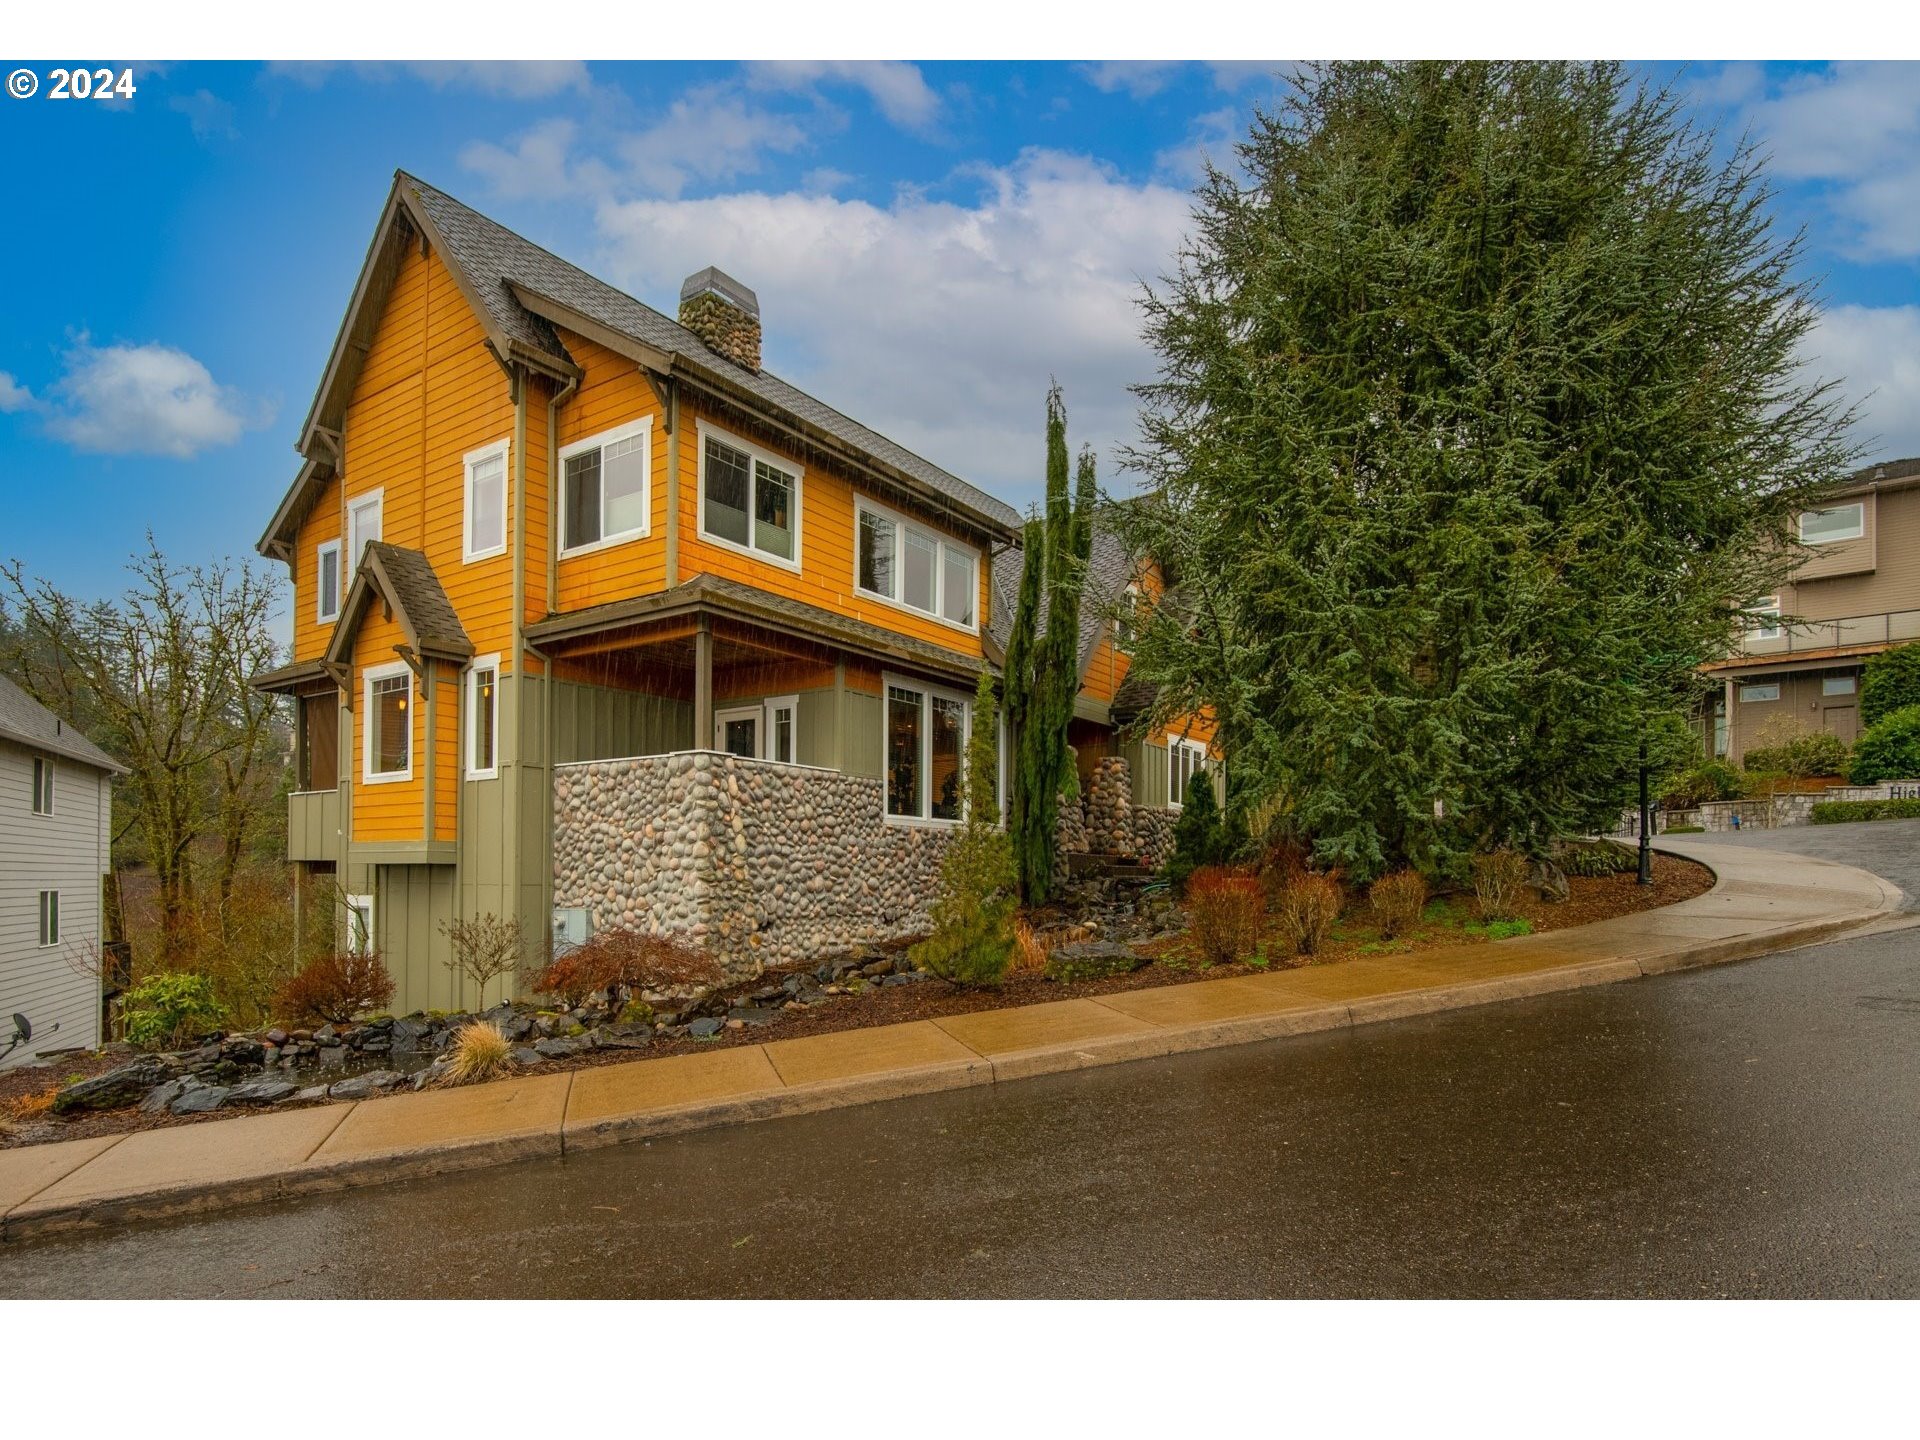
x=308 y=1178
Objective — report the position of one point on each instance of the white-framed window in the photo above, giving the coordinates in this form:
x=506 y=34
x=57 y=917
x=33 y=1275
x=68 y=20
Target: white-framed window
x=783 y=729
x=908 y=565
x=749 y=498
x=49 y=918
x=363 y=524
x=606 y=488
x=1128 y=621
x=1839 y=684
x=1835 y=522
x=923 y=752
x=1766 y=622
x=326 y=582
x=1186 y=760
x=1759 y=690
x=386 y=724
x=486 y=492
x=483 y=718
x=737 y=731
x=43 y=785
x=360 y=924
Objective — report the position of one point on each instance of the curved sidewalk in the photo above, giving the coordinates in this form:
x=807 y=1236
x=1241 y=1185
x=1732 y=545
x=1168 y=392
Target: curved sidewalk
x=1762 y=901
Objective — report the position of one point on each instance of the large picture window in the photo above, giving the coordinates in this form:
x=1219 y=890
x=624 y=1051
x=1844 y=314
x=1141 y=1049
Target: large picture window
x=926 y=746
x=749 y=498
x=1836 y=522
x=386 y=724
x=606 y=484
x=911 y=566
x=486 y=530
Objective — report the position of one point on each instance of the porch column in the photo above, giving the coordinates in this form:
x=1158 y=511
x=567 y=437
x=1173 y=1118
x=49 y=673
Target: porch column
x=703 y=686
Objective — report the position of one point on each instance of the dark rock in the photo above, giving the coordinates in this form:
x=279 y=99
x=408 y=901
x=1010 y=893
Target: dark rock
x=703 y=1027
x=518 y=1027
x=559 y=1047
x=753 y=1015
x=278 y=1037
x=627 y=1037
x=812 y=997
x=407 y=1034
x=242 y=1051
x=525 y=1055
x=200 y=1099
x=263 y=1091
x=325 y=1035
x=500 y=1014
x=875 y=969
x=124 y=1085
x=312 y=1092
x=361 y=1086
x=906 y=979
x=1093 y=960
x=162 y=1096
x=430 y=1075
x=205 y=1055
x=376 y=1045
x=333 y=1056
x=771 y=992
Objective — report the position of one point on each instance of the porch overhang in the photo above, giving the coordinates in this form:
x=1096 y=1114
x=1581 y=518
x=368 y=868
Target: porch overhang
x=1829 y=658
x=302 y=677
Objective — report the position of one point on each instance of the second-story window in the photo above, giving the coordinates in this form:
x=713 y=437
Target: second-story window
x=326 y=583
x=1766 y=619
x=1836 y=522
x=896 y=560
x=42 y=785
x=486 y=501
x=363 y=525
x=749 y=499
x=605 y=487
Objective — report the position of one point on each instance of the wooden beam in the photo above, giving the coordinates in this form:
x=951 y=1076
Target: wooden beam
x=703 y=686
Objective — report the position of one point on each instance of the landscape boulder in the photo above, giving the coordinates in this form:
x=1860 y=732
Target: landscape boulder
x=124 y=1085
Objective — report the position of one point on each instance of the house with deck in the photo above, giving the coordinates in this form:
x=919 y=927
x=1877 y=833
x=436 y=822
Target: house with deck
x=1855 y=594
x=599 y=623
x=56 y=828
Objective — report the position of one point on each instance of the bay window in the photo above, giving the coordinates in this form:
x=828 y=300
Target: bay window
x=913 y=567
x=749 y=498
x=605 y=487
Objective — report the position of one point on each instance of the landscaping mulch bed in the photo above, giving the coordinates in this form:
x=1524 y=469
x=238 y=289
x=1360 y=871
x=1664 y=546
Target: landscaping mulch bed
x=1590 y=899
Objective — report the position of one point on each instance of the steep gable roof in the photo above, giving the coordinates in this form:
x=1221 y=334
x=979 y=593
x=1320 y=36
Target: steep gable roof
x=26 y=721
x=405 y=579
x=1109 y=568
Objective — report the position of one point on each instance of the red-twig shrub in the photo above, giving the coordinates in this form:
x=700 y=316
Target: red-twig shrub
x=1306 y=909
x=1398 y=901
x=334 y=988
x=1223 y=914
x=624 y=960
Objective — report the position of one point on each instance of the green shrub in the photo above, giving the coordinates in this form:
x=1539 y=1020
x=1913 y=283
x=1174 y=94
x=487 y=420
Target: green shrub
x=1198 y=836
x=1685 y=830
x=1600 y=857
x=1890 y=750
x=972 y=941
x=1890 y=682
x=1709 y=780
x=1398 y=900
x=168 y=1010
x=1499 y=877
x=1813 y=752
x=1838 y=812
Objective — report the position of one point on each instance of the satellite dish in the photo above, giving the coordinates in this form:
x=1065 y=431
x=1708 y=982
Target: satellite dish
x=23 y=1025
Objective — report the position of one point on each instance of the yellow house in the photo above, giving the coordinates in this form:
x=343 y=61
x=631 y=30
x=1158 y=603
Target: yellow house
x=599 y=623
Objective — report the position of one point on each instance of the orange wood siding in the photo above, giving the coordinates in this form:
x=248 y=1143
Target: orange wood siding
x=390 y=810
x=323 y=523
x=826 y=546
x=449 y=687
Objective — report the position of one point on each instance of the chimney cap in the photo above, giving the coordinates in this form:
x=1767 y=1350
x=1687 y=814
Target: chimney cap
x=713 y=280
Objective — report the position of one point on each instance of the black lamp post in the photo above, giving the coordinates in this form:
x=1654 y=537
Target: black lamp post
x=1646 y=820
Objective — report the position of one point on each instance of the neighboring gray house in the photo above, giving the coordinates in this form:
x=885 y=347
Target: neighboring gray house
x=56 y=814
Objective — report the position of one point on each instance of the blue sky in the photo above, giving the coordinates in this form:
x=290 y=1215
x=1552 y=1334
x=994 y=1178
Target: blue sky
x=929 y=243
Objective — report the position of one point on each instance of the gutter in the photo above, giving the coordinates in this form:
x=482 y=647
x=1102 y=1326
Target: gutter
x=558 y=398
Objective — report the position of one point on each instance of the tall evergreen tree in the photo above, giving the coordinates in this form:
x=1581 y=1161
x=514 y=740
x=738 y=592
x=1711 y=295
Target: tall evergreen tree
x=1479 y=424
x=1043 y=665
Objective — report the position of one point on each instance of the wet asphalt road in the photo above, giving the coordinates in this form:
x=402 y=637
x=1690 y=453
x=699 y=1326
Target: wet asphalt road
x=1751 y=1130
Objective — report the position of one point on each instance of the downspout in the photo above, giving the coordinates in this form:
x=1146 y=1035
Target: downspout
x=673 y=482
x=546 y=737
x=511 y=838
x=559 y=398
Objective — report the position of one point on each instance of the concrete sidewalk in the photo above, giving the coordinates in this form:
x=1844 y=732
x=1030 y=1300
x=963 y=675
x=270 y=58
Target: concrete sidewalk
x=1761 y=902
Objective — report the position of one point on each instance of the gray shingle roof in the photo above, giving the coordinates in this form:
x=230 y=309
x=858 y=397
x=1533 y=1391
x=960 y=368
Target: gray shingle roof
x=1109 y=568
x=494 y=258
x=408 y=579
x=26 y=721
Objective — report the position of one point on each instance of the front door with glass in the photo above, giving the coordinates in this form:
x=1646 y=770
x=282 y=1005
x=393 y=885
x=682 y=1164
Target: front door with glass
x=737 y=732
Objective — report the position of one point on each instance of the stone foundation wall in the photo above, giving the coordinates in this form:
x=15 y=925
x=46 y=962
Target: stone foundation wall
x=763 y=864
x=1782 y=812
x=1110 y=807
x=1153 y=835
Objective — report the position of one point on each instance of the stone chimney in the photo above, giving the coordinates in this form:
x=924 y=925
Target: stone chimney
x=725 y=314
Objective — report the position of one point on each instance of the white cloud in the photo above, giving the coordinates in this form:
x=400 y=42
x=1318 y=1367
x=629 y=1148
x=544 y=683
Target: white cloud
x=13 y=395
x=1853 y=129
x=897 y=89
x=938 y=322
x=209 y=115
x=1210 y=137
x=1874 y=352
x=534 y=169
x=1139 y=78
x=508 y=79
x=706 y=134
x=138 y=400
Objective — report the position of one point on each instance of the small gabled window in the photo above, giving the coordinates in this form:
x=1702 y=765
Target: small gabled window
x=605 y=487
x=486 y=501
x=387 y=725
x=326 y=583
x=42 y=785
x=49 y=918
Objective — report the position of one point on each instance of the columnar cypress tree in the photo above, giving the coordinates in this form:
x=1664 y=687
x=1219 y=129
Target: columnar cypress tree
x=1043 y=669
x=1480 y=425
